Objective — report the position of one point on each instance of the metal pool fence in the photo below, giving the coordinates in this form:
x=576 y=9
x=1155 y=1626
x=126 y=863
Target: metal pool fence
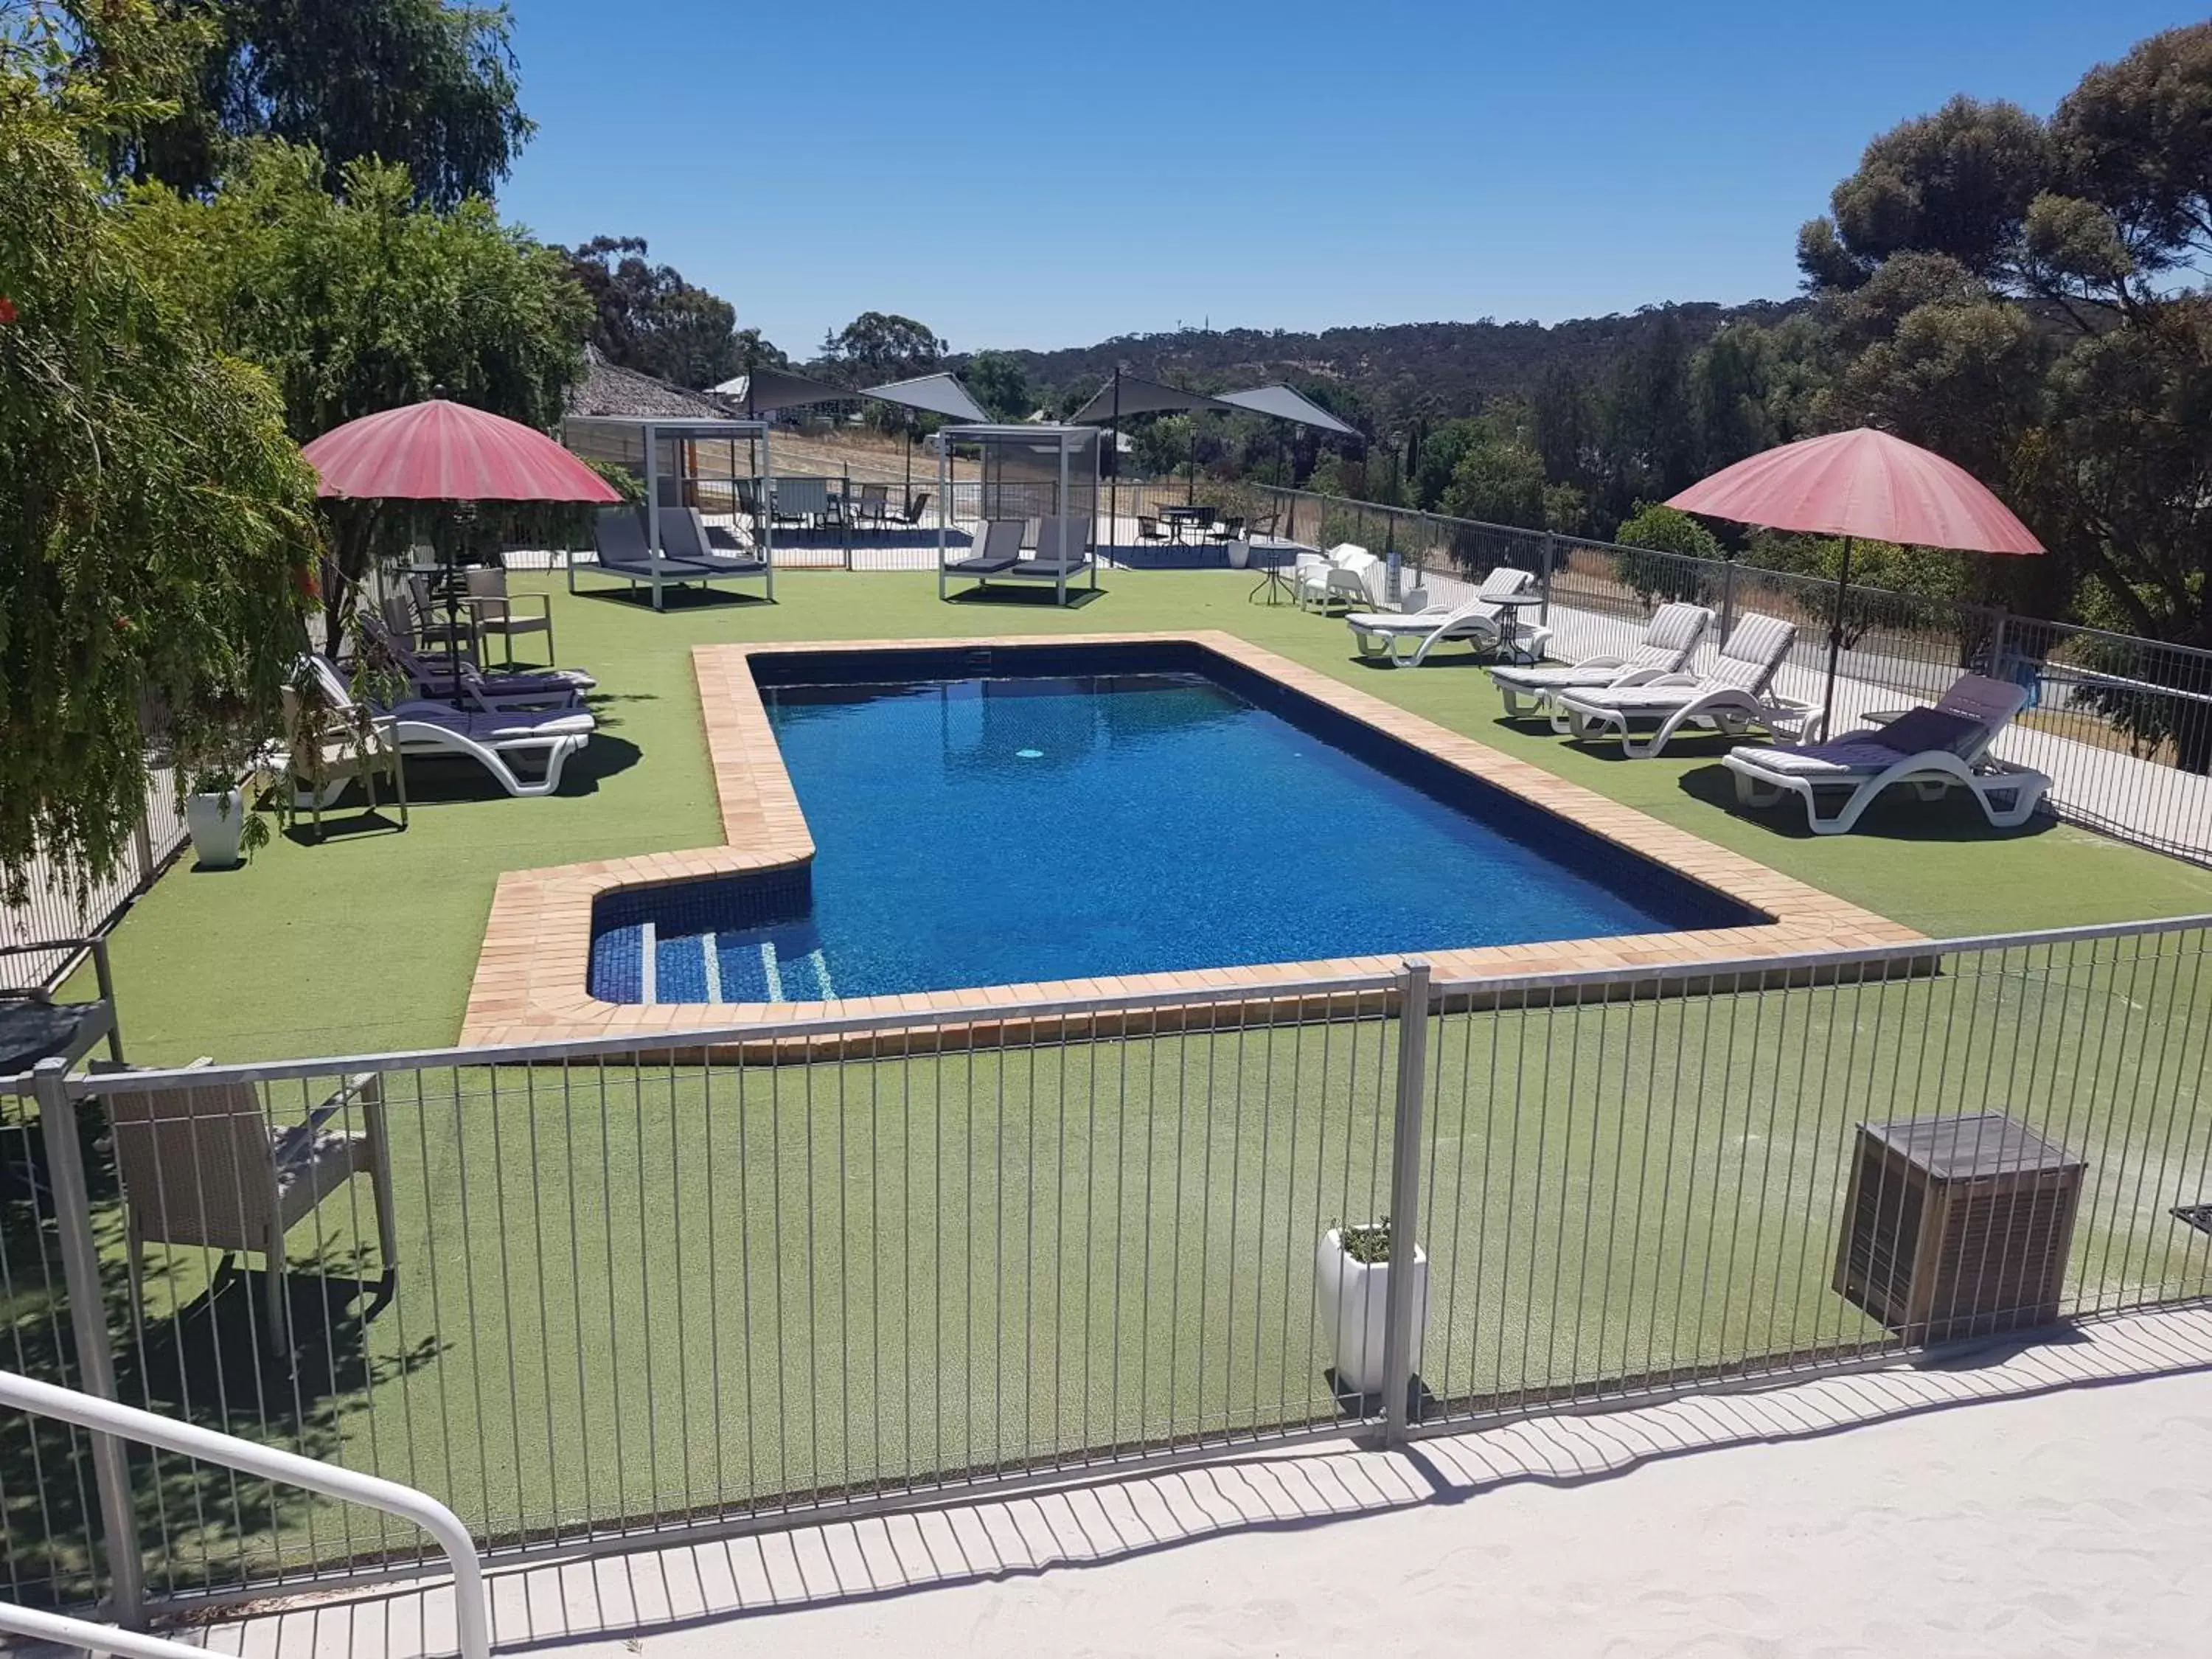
x=2122 y=725
x=845 y=1265
x=53 y=909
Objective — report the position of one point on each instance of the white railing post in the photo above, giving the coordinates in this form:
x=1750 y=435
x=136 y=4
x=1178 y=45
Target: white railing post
x=88 y=1320
x=1400 y=1408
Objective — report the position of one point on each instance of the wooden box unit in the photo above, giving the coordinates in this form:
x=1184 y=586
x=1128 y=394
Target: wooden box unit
x=1957 y=1226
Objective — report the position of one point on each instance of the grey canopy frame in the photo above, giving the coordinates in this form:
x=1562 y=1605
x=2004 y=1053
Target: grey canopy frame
x=685 y=465
x=1047 y=474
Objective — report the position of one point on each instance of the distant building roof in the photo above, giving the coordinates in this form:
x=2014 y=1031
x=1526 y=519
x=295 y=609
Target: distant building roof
x=607 y=389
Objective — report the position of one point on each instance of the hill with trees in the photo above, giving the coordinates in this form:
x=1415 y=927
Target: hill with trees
x=1393 y=373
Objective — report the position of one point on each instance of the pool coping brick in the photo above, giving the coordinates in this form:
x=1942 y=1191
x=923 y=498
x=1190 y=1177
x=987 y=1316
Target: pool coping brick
x=533 y=968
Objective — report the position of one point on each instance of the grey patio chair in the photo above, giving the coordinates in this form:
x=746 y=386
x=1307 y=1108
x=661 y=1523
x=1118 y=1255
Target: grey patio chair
x=203 y=1165
x=497 y=617
x=432 y=626
x=874 y=506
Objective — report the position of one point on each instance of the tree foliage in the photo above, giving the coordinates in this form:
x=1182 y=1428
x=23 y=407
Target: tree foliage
x=157 y=537
x=879 y=345
x=366 y=299
x=999 y=382
x=647 y=318
x=426 y=85
x=2016 y=295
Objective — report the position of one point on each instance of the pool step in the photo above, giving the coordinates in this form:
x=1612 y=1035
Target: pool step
x=639 y=964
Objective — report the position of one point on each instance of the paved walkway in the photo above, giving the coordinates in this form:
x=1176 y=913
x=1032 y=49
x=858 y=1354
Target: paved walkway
x=2044 y=1499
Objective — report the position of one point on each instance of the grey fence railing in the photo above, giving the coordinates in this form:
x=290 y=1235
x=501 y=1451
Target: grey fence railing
x=847 y=1265
x=55 y=910
x=2122 y=725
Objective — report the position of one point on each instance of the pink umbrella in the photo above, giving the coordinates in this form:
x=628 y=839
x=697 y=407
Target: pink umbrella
x=447 y=452
x=1861 y=483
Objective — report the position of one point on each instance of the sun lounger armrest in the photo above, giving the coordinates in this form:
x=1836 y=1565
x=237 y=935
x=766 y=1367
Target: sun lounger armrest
x=1587 y=664
x=1656 y=676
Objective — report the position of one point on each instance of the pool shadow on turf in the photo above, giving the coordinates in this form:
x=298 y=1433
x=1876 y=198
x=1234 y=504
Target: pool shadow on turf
x=1897 y=815
x=1021 y=597
x=1456 y=660
x=677 y=598
x=448 y=780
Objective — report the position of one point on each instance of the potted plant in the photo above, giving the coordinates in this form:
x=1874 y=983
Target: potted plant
x=1351 y=1286
x=215 y=817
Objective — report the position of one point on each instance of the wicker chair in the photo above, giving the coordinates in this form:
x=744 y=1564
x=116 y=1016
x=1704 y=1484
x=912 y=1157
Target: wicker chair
x=203 y=1165
x=496 y=617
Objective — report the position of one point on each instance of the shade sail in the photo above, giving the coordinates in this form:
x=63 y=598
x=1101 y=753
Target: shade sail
x=1862 y=483
x=767 y=389
x=447 y=452
x=934 y=394
x=1284 y=405
x=1138 y=398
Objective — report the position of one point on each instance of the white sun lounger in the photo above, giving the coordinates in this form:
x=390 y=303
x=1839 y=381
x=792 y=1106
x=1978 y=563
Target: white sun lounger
x=1670 y=639
x=1732 y=696
x=1931 y=751
x=1479 y=618
x=493 y=739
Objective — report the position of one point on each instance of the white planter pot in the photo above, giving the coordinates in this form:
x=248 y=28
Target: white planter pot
x=1240 y=554
x=1349 y=1299
x=216 y=823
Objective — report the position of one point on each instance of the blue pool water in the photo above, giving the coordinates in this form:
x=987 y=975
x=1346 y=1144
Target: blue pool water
x=994 y=830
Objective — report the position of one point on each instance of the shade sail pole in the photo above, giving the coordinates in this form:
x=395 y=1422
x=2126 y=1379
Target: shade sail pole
x=1114 y=478
x=1836 y=641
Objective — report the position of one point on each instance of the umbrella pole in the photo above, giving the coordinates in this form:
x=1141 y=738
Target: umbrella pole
x=453 y=618
x=1836 y=641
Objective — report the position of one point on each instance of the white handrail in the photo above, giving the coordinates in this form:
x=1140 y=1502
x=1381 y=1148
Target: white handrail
x=188 y=1440
x=85 y=1635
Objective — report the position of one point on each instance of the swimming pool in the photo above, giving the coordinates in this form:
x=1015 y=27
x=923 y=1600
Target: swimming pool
x=1051 y=813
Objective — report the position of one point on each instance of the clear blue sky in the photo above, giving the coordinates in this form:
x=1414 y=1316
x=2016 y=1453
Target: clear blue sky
x=1043 y=174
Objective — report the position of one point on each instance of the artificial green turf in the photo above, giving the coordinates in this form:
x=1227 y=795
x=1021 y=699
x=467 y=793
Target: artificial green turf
x=630 y=1293
x=633 y=1291
x=369 y=942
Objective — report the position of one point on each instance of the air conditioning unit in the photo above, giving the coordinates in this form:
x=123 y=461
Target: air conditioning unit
x=1957 y=1226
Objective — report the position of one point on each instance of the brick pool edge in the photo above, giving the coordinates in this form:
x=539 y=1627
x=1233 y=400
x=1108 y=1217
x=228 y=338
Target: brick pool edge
x=531 y=971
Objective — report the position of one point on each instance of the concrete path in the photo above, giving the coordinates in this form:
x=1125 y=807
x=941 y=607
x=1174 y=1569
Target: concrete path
x=2045 y=1499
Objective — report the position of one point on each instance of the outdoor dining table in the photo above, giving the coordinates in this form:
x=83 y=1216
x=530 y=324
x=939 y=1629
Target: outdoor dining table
x=1190 y=516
